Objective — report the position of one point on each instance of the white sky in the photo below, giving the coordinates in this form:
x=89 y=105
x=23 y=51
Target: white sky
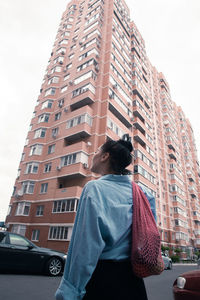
x=170 y=28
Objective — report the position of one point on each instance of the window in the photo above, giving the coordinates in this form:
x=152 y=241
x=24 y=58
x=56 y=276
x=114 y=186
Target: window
x=23 y=209
x=86 y=64
x=54 y=132
x=66 y=77
x=47 y=104
x=61 y=102
x=18 y=240
x=40 y=133
x=71 y=56
x=61 y=50
x=86 y=54
x=50 y=91
x=44 y=187
x=23 y=157
x=47 y=168
x=83 y=89
x=28 y=187
x=68 y=66
x=40 y=210
x=64 y=41
x=54 y=79
x=68 y=159
x=60 y=233
x=2 y=238
x=64 y=89
x=65 y=205
x=79 y=120
x=36 y=149
x=35 y=235
x=51 y=149
x=57 y=116
x=20 y=229
x=59 y=59
x=85 y=76
x=9 y=210
x=43 y=118
x=32 y=168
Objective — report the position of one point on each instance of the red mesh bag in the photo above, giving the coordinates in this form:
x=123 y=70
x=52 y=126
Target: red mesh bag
x=146 y=258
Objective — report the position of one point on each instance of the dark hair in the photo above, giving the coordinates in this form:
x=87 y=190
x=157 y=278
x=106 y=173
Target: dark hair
x=120 y=154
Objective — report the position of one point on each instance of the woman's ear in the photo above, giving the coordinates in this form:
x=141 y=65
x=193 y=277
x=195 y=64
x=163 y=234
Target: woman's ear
x=105 y=156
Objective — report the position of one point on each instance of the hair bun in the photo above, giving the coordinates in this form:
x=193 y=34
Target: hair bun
x=126 y=144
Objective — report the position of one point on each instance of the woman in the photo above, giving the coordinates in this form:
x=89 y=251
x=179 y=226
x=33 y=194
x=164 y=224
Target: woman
x=98 y=261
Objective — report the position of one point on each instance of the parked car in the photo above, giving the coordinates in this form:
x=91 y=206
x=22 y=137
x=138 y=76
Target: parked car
x=167 y=261
x=187 y=286
x=17 y=253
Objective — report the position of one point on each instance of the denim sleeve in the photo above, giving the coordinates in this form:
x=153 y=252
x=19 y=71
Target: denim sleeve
x=85 y=248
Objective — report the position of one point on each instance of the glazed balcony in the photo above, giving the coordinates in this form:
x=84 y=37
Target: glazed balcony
x=86 y=98
x=78 y=132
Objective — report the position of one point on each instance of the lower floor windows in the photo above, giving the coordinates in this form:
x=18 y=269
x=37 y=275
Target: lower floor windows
x=65 y=205
x=20 y=229
x=60 y=233
x=23 y=209
x=35 y=235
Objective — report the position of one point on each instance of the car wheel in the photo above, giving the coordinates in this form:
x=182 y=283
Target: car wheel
x=54 y=266
x=169 y=266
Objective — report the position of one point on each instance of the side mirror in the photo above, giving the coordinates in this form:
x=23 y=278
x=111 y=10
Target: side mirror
x=30 y=247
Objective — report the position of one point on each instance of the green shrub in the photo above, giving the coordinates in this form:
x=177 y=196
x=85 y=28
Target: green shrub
x=175 y=258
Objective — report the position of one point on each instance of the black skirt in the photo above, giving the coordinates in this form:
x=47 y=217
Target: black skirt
x=114 y=280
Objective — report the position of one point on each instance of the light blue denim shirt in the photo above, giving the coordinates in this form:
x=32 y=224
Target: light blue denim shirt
x=102 y=230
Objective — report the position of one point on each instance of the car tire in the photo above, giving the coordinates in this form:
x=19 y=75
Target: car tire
x=54 y=266
x=169 y=266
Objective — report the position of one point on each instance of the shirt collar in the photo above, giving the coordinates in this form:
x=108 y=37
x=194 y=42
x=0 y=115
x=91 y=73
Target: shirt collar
x=113 y=177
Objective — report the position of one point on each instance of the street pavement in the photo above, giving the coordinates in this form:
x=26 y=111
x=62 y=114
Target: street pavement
x=38 y=287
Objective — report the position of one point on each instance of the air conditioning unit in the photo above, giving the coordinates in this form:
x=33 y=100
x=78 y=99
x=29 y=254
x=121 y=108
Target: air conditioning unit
x=71 y=82
x=80 y=43
x=85 y=166
x=128 y=103
x=99 y=36
x=60 y=62
x=97 y=55
x=63 y=53
x=48 y=75
x=19 y=193
x=58 y=168
x=54 y=135
x=97 y=69
x=111 y=96
x=114 y=86
x=60 y=105
x=66 y=109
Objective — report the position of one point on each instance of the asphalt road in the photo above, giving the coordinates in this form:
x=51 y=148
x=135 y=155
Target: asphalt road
x=37 y=287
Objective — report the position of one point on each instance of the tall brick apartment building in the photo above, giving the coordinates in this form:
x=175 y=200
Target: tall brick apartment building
x=98 y=85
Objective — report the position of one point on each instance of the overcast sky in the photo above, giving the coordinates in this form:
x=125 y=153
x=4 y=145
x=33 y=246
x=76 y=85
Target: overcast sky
x=170 y=28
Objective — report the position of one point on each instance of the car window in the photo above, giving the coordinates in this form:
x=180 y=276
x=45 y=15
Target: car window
x=2 y=238
x=18 y=240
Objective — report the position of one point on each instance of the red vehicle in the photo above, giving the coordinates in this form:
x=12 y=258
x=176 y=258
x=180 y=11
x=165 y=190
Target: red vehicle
x=187 y=286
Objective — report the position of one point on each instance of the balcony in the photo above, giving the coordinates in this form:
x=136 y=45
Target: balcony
x=172 y=155
x=119 y=113
x=83 y=99
x=139 y=138
x=139 y=115
x=71 y=172
x=68 y=192
x=77 y=132
x=170 y=146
